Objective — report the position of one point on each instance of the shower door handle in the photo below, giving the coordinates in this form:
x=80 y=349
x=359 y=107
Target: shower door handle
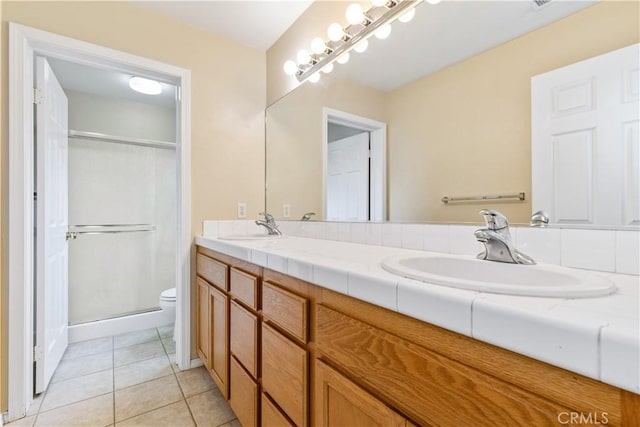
x=71 y=235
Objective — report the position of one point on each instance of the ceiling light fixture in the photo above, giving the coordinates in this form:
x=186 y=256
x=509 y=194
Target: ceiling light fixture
x=146 y=86
x=362 y=25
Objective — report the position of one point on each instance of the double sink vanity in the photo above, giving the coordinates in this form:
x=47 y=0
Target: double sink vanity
x=300 y=331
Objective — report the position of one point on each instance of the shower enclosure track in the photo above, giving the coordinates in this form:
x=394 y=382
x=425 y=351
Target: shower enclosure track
x=110 y=228
x=95 y=136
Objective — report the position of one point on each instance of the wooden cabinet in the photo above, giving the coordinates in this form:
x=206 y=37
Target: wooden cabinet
x=244 y=337
x=202 y=322
x=219 y=339
x=284 y=374
x=244 y=287
x=340 y=402
x=298 y=355
x=244 y=395
x=271 y=415
x=286 y=310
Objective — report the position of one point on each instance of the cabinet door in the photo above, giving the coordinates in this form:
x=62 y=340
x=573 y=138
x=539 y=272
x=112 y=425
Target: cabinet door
x=244 y=337
x=202 y=322
x=219 y=357
x=340 y=402
x=244 y=395
x=284 y=374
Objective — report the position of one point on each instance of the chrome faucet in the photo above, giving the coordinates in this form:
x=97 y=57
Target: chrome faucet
x=269 y=223
x=307 y=216
x=539 y=219
x=497 y=240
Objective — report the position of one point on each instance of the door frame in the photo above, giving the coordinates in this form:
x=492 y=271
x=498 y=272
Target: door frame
x=378 y=165
x=24 y=43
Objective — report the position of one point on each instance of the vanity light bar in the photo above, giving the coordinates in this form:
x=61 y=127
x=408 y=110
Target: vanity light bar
x=334 y=50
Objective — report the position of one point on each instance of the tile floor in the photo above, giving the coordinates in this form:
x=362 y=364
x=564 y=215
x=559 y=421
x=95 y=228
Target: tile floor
x=128 y=380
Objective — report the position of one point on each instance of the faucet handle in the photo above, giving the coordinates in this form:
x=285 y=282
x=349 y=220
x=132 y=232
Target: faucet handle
x=267 y=216
x=494 y=220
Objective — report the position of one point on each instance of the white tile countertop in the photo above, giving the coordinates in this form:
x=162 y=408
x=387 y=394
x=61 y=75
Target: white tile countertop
x=596 y=337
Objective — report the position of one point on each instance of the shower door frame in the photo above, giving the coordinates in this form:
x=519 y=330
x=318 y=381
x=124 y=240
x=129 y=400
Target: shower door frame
x=24 y=44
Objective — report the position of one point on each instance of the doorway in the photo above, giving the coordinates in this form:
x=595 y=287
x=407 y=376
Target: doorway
x=26 y=45
x=354 y=165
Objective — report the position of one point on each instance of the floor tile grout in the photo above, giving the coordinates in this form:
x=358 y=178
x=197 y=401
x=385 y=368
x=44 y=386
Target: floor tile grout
x=183 y=397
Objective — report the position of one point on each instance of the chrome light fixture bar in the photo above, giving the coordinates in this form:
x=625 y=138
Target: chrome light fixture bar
x=368 y=27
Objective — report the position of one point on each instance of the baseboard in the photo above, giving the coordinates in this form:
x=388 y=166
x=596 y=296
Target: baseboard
x=195 y=363
x=118 y=325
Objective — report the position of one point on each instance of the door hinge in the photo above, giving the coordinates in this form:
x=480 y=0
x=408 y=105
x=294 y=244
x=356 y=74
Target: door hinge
x=37 y=353
x=35 y=196
x=37 y=96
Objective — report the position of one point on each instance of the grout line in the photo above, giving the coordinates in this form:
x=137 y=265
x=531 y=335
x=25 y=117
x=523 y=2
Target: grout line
x=184 y=397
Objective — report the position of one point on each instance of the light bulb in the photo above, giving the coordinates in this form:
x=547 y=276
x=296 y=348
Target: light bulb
x=290 y=68
x=314 y=77
x=318 y=46
x=327 y=68
x=433 y=1
x=303 y=56
x=146 y=86
x=407 y=16
x=383 y=32
x=354 y=14
x=335 y=32
x=343 y=59
x=362 y=46
x=379 y=3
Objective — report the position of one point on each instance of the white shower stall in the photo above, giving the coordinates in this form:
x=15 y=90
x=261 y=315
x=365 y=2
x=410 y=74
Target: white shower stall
x=122 y=208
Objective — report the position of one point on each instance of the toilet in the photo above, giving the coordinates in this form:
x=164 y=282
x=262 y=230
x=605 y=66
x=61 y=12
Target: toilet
x=168 y=305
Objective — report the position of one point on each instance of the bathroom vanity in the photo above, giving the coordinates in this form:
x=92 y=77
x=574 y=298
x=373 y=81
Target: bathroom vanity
x=286 y=351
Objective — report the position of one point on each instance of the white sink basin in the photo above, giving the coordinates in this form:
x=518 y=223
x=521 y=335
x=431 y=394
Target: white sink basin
x=501 y=278
x=257 y=236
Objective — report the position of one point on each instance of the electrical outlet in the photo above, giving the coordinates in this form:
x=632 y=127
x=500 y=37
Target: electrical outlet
x=242 y=210
x=286 y=210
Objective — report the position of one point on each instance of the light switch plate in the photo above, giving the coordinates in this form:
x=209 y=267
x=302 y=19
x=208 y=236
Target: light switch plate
x=286 y=210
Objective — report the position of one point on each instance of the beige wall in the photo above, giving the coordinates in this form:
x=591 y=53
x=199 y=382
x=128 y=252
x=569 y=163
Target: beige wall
x=312 y=23
x=294 y=141
x=228 y=98
x=473 y=135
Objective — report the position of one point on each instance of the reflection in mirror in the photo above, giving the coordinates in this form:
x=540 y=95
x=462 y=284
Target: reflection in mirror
x=455 y=94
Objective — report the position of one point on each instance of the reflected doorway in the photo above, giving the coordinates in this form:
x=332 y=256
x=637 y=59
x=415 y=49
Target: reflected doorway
x=354 y=166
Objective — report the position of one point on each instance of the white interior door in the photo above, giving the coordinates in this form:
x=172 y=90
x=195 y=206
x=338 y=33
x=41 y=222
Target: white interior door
x=52 y=225
x=585 y=152
x=348 y=179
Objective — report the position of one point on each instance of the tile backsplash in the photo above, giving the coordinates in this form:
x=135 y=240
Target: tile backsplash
x=616 y=251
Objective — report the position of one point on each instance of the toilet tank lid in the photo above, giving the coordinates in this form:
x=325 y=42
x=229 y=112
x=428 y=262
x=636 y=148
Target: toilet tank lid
x=168 y=293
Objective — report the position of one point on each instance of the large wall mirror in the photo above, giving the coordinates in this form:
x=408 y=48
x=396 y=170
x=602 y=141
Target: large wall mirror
x=443 y=107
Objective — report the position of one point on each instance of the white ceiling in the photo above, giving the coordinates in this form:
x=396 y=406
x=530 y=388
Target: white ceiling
x=446 y=33
x=255 y=23
x=105 y=82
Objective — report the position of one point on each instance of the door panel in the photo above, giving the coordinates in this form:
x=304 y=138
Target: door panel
x=348 y=179
x=52 y=274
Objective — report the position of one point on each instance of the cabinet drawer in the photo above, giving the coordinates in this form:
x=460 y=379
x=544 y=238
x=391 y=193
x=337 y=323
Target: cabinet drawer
x=244 y=395
x=271 y=415
x=213 y=271
x=244 y=337
x=244 y=287
x=285 y=374
x=287 y=310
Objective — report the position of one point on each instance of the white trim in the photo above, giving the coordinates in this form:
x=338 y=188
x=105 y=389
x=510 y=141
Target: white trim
x=24 y=43
x=117 y=325
x=378 y=171
x=196 y=363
